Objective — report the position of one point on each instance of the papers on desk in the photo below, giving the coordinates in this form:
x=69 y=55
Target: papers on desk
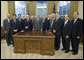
x=22 y=31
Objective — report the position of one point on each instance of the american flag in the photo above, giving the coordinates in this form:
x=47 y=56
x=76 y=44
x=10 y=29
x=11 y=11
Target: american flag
x=54 y=9
x=28 y=9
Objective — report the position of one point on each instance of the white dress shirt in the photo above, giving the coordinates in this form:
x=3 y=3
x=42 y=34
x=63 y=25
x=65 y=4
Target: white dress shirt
x=75 y=20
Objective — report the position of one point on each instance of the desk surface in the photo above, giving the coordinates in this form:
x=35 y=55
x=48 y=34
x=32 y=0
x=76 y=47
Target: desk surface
x=34 y=34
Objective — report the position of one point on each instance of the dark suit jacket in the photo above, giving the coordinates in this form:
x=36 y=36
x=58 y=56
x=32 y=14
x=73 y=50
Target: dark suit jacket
x=48 y=24
x=58 y=25
x=82 y=26
x=13 y=26
x=76 y=28
x=51 y=28
x=6 y=25
x=20 y=24
x=67 y=29
x=44 y=25
x=28 y=23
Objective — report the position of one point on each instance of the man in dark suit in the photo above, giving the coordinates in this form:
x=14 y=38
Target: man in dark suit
x=76 y=33
x=48 y=22
x=28 y=24
x=7 y=29
x=14 y=27
x=52 y=20
x=57 y=30
x=20 y=24
x=13 y=23
x=23 y=17
x=32 y=18
x=44 y=24
x=66 y=34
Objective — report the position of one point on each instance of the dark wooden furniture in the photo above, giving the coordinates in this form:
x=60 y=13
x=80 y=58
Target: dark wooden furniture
x=81 y=38
x=34 y=42
x=2 y=33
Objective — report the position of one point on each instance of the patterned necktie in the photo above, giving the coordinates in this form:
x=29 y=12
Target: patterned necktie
x=8 y=21
x=64 y=23
x=51 y=23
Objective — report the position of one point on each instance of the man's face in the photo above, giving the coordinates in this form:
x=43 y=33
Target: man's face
x=38 y=15
x=23 y=16
x=44 y=18
x=66 y=17
x=19 y=16
x=57 y=15
x=35 y=16
x=32 y=17
x=75 y=15
x=27 y=16
x=8 y=16
x=53 y=15
x=14 y=17
x=47 y=16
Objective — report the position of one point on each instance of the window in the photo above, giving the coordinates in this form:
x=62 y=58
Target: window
x=20 y=7
x=64 y=8
x=41 y=8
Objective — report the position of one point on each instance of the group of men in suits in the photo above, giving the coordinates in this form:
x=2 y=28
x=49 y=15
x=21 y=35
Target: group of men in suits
x=70 y=31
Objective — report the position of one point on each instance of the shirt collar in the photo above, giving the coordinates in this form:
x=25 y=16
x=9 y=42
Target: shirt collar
x=48 y=18
x=76 y=19
x=57 y=18
x=66 y=21
x=8 y=19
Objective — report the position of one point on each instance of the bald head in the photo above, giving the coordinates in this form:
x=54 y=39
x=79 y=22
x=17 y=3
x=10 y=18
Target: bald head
x=50 y=16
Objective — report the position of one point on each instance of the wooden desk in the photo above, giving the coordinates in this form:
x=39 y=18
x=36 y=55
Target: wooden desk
x=34 y=42
x=2 y=33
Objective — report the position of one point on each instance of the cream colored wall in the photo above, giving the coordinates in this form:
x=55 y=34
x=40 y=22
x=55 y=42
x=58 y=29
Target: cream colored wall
x=80 y=9
x=4 y=10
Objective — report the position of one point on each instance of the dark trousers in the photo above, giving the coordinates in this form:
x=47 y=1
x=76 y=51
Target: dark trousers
x=9 y=38
x=63 y=42
x=66 y=43
x=57 y=42
x=75 y=44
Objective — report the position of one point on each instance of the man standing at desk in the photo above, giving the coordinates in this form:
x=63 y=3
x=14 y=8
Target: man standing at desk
x=28 y=25
x=44 y=24
x=20 y=24
x=13 y=26
x=37 y=23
